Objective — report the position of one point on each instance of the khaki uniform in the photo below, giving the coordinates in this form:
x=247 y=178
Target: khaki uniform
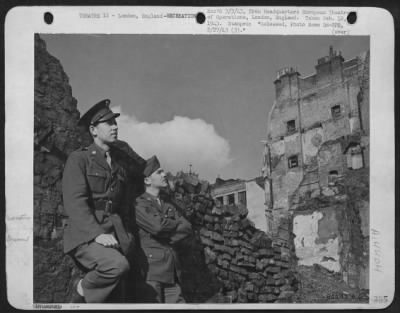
x=160 y=226
x=95 y=199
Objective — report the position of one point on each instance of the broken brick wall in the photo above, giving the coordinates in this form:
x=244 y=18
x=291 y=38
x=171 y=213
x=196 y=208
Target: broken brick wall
x=248 y=264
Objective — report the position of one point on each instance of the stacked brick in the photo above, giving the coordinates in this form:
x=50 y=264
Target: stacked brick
x=248 y=263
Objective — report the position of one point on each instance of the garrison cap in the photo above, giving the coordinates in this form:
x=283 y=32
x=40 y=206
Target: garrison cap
x=152 y=165
x=100 y=112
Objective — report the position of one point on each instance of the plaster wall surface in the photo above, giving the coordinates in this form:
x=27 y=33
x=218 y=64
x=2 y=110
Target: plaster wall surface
x=318 y=107
x=336 y=128
x=293 y=146
x=316 y=239
x=280 y=193
x=312 y=141
x=280 y=116
x=331 y=158
x=278 y=147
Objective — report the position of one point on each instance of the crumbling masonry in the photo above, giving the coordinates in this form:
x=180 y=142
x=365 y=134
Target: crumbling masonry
x=317 y=164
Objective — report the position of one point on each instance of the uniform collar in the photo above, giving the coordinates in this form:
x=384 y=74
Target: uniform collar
x=97 y=150
x=149 y=196
x=152 y=198
x=99 y=155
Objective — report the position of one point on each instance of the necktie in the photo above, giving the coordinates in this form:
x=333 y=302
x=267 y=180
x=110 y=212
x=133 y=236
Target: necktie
x=108 y=158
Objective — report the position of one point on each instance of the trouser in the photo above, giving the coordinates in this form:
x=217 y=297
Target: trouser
x=157 y=292
x=107 y=267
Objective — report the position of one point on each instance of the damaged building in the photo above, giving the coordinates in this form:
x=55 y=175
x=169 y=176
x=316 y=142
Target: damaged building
x=249 y=193
x=316 y=164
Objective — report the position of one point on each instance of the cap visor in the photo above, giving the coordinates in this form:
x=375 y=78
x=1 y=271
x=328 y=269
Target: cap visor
x=108 y=116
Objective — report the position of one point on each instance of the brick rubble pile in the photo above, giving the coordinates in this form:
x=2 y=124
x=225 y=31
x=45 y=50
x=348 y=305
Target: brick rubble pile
x=249 y=264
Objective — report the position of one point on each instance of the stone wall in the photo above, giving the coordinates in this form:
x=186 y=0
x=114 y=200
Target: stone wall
x=250 y=265
x=55 y=136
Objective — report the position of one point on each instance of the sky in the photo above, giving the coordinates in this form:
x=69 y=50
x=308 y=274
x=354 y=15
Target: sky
x=191 y=99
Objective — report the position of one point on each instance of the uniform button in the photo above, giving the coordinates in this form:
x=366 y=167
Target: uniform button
x=150 y=255
x=112 y=189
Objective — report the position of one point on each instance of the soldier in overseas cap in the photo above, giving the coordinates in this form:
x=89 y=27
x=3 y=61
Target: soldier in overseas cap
x=160 y=227
x=94 y=195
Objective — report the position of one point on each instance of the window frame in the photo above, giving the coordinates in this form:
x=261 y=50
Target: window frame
x=290 y=160
x=334 y=113
x=240 y=198
x=230 y=196
x=220 y=199
x=291 y=129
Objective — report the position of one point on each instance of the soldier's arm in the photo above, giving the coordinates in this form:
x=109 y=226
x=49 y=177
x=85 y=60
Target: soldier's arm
x=183 y=230
x=152 y=222
x=76 y=196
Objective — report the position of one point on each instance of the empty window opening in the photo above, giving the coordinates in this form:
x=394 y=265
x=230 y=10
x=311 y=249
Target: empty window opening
x=293 y=161
x=355 y=157
x=332 y=178
x=291 y=126
x=242 y=197
x=336 y=111
x=231 y=199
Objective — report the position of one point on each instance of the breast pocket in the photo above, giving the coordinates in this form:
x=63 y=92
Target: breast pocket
x=155 y=255
x=97 y=181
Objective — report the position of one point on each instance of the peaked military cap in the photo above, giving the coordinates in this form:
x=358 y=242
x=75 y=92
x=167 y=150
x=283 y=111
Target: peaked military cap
x=100 y=112
x=152 y=165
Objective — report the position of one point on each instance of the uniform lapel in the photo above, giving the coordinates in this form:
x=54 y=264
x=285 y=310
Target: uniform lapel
x=154 y=202
x=98 y=156
x=162 y=206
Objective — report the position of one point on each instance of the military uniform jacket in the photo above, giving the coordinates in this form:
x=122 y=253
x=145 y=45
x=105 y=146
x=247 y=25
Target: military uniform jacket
x=94 y=197
x=160 y=226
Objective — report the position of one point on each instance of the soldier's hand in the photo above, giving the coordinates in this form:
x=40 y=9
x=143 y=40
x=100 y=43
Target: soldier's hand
x=170 y=213
x=107 y=240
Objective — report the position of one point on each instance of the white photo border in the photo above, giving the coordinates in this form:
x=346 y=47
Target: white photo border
x=23 y=22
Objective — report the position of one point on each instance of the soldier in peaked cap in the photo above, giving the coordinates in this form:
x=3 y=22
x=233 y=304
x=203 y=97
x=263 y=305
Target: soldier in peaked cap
x=161 y=227
x=95 y=197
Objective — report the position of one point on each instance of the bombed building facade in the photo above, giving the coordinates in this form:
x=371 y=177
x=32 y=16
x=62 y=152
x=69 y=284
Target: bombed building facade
x=316 y=164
